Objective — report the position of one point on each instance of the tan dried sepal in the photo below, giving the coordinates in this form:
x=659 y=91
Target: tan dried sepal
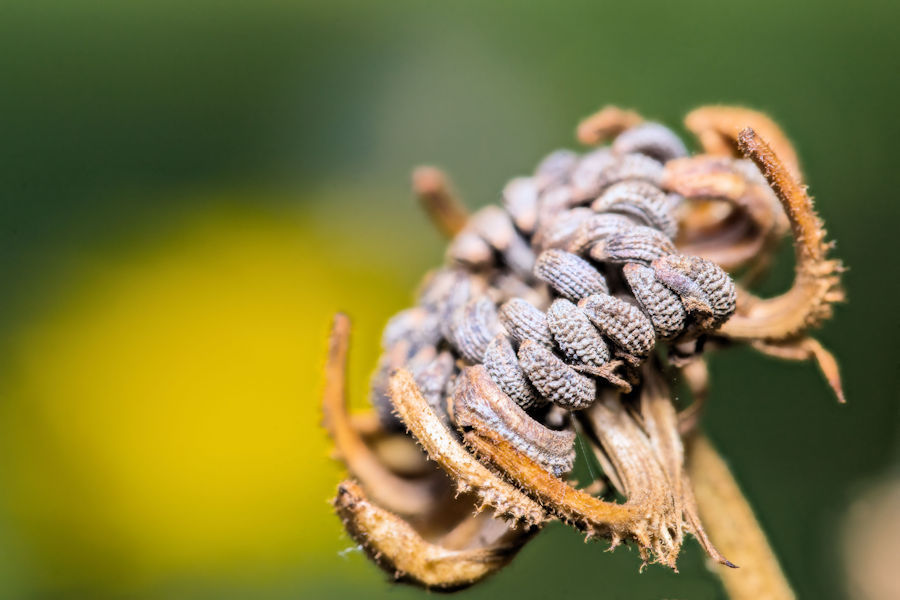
x=432 y=187
x=442 y=447
x=606 y=123
x=404 y=496
x=717 y=128
x=398 y=549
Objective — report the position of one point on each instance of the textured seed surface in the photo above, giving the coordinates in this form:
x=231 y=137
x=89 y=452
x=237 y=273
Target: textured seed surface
x=502 y=365
x=432 y=377
x=652 y=139
x=520 y=198
x=639 y=244
x=555 y=167
x=575 y=335
x=660 y=304
x=597 y=228
x=621 y=322
x=493 y=224
x=703 y=286
x=478 y=402
x=473 y=329
x=571 y=276
x=469 y=249
x=554 y=379
x=587 y=176
x=419 y=326
x=560 y=231
x=525 y=322
x=641 y=200
x=630 y=166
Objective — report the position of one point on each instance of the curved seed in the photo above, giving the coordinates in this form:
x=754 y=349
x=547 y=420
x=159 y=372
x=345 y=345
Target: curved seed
x=520 y=198
x=470 y=250
x=631 y=166
x=654 y=140
x=641 y=200
x=639 y=244
x=480 y=403
x=665 y=310
x=596 y=228
x=525 y=322
x=432 y=378
x=554 y=379
x=473 y=329
x=578 y=339
x=503 y=366
x=555 y=167
x=586 y=176
x=570 y=275
x=418 y=325
x=494 y=226
x=561 y=228
x=703 y=286
x=621 y=322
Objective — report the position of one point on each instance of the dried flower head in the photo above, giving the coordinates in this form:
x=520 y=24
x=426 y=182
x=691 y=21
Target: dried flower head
x=568 y=312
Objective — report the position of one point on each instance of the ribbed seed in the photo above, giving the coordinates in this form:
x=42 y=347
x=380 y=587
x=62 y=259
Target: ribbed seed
x=578 y=339
x=631 y=166
x=503 y=366
x=470 y=250
x=639 y=244
x=432 y=378
x=473 y=329
x=660 y=304
x=621 y=322
x=586 y=176
x=525 y=322
x=419 y=326
x=596 y=228
x=641 y=200
x=570 y=275
x=561 y=228
x=555 y=168
x=703 y=286
x=554 y=379
x=520 y=198
x=652 y=139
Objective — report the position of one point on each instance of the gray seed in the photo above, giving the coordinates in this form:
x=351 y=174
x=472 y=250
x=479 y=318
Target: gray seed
x=587 y=176
x=432 y=377
x=470 y=250
x=525 y=322
x=418 y=326
x=652 y=139
x=503 y=366
x=641 y=200
x=494 y=226
x=578 y=339
x=559 y=231
x=661 y=305
x=596 y=228
x=639 y=244
x=554 y=379
x=555 y=168
x=520 y=198
x=703 y=286
x=473 y=329
x=570 y=275
x=621 y=322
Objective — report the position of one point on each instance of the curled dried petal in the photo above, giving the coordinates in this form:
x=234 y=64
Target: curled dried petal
x=478 y=402
x=605 y=124
x=571 y=276
x=554 y=379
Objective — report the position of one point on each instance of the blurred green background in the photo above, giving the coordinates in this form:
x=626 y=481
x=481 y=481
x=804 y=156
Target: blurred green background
x=188 y=191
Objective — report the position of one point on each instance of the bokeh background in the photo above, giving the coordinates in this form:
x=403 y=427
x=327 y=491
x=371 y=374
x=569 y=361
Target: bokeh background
x=188 y=191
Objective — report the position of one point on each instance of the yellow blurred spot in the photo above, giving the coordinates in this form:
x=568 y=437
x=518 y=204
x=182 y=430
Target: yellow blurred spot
x=162 y=419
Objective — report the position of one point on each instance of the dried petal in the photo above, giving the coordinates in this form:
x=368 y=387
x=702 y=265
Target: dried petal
x=570 y=275
x=525 y=322
x=479 y=403
x=639 y=244
x=621 y=322
x=660 y=304
x=554 y=379
x=641 y=200
x=503 y=366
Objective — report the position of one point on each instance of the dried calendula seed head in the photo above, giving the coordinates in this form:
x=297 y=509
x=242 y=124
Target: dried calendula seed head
x=654 y=140
x=525 y=322
x=479 y=403
x=638 y=244
x=520 y=198
x=473 y=329
x=578 y=339
x=596 y=228
x=554 y=379
x=502 y=365
x=704 y=287
x=660 y=304
x=571 y=276
x=621 y=322
x=641 y=200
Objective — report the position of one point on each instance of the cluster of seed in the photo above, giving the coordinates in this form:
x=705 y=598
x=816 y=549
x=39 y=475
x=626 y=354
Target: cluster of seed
x=566 y=288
